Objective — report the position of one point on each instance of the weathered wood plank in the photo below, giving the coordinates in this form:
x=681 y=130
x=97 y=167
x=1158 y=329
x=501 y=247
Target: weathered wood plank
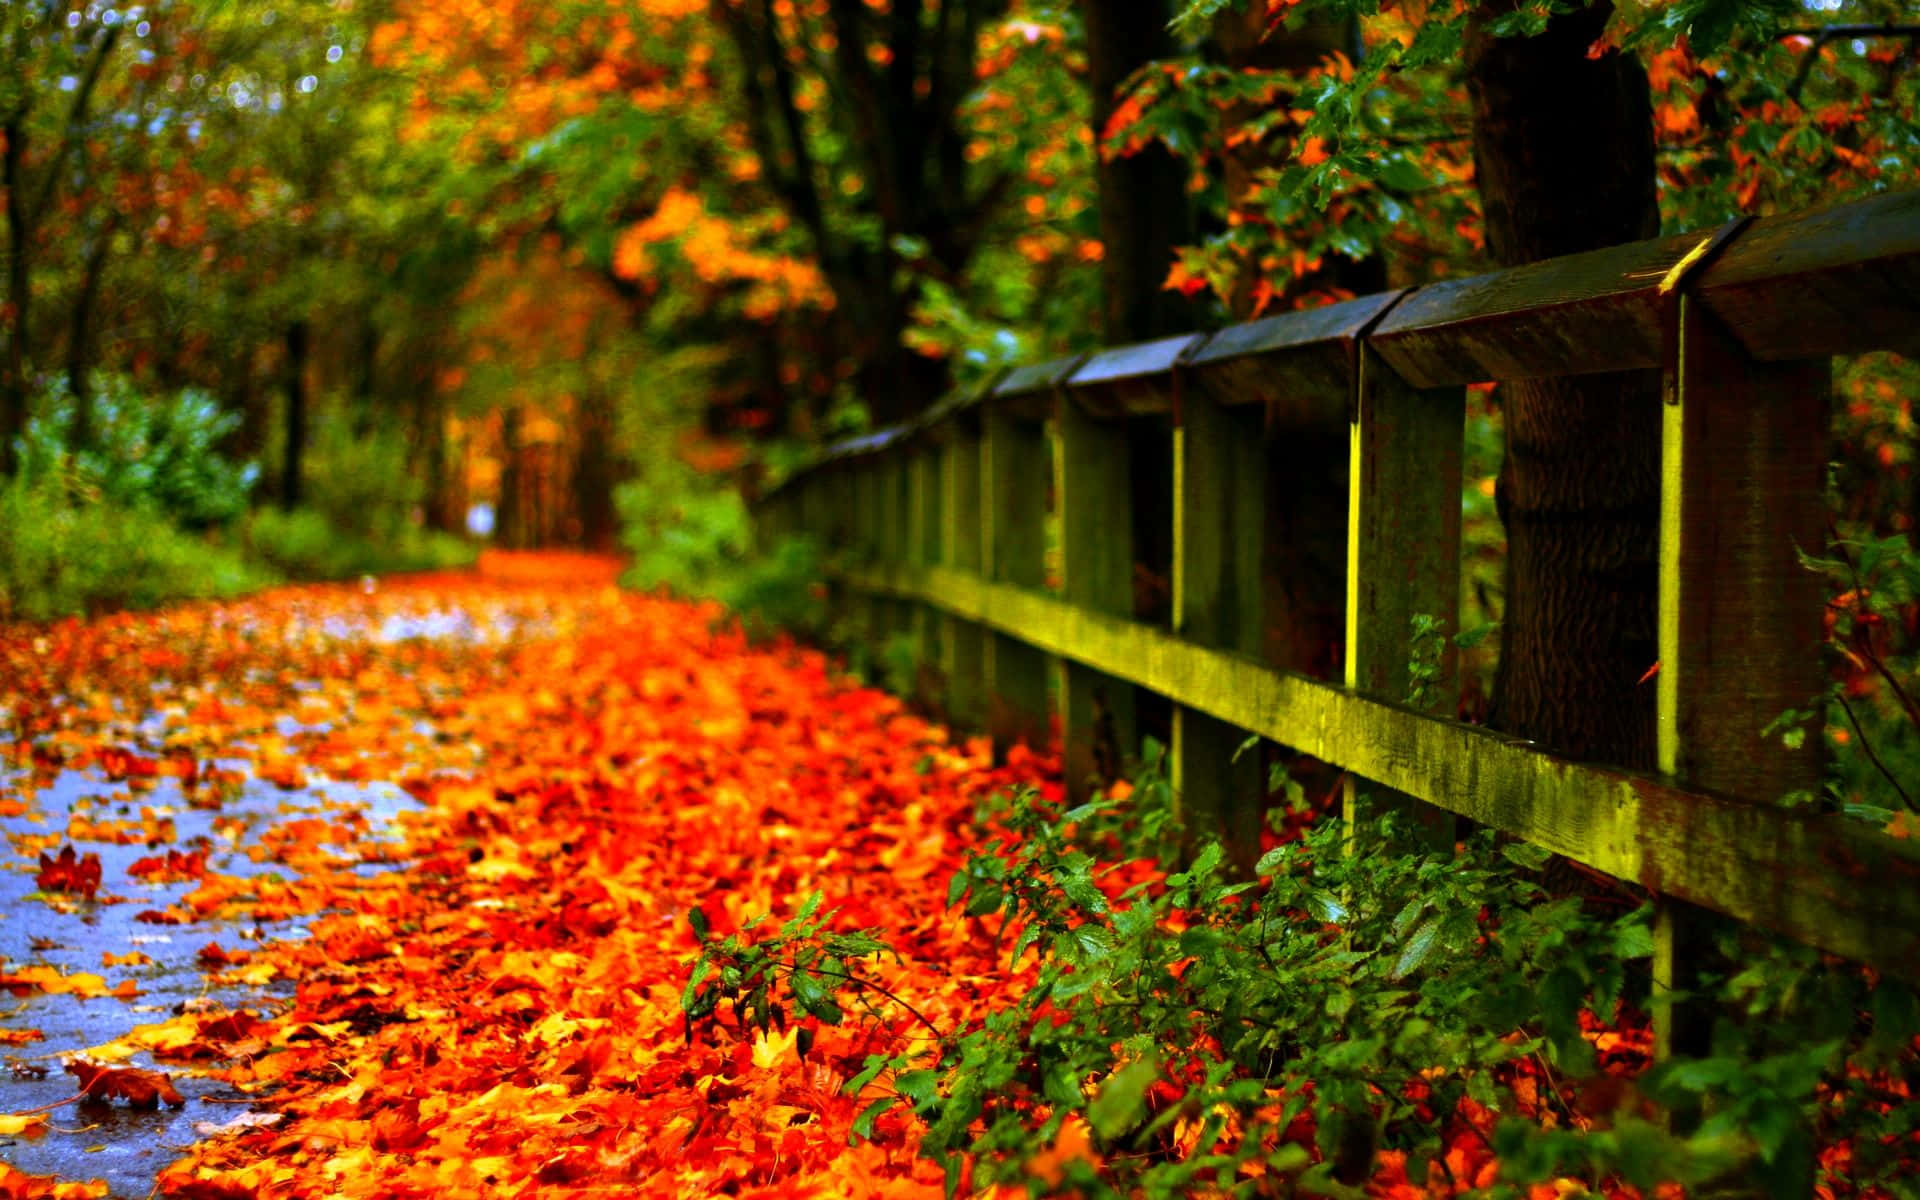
x=1842 y=280
x=1403 y=551
x=1599 y=311
x=1097 y=725
x=1015 y=470
x=1743 y=465
x=1297 y=365
x=1219 y=483
x=925 y=531
x=1029 y=391
x=1135 y=379
x=1824 y=880
x=963 y=648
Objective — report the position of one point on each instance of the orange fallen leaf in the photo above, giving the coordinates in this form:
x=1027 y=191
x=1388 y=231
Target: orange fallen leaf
x=140 y=1089
x=77 y=874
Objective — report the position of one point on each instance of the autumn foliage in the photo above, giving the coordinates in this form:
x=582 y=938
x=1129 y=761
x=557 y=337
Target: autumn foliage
x=637 y=835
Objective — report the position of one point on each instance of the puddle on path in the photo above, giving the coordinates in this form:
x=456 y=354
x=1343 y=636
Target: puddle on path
x=123 y=1146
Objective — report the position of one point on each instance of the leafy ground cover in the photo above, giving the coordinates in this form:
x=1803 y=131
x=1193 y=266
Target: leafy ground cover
x=671 y=913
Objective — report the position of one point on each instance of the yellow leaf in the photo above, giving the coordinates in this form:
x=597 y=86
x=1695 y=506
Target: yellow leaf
x=772 y=1049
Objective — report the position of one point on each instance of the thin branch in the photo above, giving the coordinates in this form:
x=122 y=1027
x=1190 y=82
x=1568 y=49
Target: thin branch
x=1859 y=589
x=1822 y=34
x=1867 y=748
x=76 y=117
x=871 y=986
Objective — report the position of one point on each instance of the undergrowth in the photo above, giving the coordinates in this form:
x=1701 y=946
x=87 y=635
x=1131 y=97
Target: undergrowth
x=1351 y=1019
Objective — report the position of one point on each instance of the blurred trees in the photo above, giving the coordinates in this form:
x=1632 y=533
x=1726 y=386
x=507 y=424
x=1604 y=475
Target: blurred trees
x=784 y=218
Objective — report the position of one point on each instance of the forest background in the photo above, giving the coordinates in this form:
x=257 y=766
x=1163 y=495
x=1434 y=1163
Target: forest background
x=293 y=288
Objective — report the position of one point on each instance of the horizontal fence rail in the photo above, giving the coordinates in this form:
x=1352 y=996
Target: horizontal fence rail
x=1334 y=436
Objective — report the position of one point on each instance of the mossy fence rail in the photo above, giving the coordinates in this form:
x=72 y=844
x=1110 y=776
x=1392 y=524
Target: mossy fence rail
x=937 y=531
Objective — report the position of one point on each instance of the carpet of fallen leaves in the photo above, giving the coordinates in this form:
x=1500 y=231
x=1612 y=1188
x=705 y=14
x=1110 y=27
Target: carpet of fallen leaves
x=499 y=1011
x=488 y=1003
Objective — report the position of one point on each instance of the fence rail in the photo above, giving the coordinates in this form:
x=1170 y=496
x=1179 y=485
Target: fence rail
x=937 y=531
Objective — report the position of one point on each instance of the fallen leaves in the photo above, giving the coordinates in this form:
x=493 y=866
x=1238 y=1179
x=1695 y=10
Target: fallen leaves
x=139 y=1089
x=79 y=875
x=485 y=1000
x=18 y=1185
x=83 y=984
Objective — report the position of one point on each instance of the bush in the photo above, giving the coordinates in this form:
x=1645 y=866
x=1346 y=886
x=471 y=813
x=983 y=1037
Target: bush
x=152 y=452
x=362 y=486
x=61 y=556
x=307 y=544
x=698 y=541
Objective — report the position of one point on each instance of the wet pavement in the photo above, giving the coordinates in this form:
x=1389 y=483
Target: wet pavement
x=115 y=937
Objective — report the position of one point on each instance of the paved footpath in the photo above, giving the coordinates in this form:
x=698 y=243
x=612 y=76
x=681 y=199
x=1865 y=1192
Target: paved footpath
x=382 y=890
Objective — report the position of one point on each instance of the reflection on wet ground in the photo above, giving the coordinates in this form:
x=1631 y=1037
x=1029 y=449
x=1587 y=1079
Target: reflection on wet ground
x=108 y=937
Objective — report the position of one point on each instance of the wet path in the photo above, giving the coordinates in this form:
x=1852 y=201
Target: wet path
x=448 y=836
x=150 y=967
x=176 y=820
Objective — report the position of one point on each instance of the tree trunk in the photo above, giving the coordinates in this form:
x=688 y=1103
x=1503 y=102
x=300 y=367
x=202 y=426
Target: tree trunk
x=1563 y=153
x=296 y=415
x=80 y=335
x=594 y=471
x=1145 y=212
x=366 y=377
x=15 y=387
x=511 y=519
x=1144 y=208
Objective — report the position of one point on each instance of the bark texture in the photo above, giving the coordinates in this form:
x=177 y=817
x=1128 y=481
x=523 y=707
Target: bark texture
x=298 y=345
x=1563 y=151
x=1144 y=209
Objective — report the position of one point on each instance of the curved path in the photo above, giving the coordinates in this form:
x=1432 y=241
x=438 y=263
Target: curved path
x=393 y=885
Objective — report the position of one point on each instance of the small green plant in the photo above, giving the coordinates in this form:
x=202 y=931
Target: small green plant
x=1428 y=644
x=62 y=556
x=306 y=544
x=1278 y=1035
x=158 y=452
x=801 y=969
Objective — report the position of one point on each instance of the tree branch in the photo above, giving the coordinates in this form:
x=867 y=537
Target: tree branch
x=1822 y=34
x=76 y=117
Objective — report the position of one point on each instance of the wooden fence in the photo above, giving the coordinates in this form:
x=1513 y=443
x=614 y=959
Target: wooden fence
x=937 y=530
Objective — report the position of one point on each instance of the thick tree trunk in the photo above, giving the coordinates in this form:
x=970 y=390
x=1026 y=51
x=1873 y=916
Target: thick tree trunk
x=1145 y=212
x=296 y=415
x=80 y=334
x=1144 y=208
x=15 y=387
x=510 y=525
x=1563 y=152
x=593 y=472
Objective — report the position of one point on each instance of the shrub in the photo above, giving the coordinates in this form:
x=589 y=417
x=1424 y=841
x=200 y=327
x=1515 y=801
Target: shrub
x=362 y=485
x=698 y=540
x=63 y=556
x=307 y=544
x=158 y=452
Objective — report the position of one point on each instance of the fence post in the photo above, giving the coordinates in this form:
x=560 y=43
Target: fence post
x=1219 y=485
x=1015 y=468
x=923 y=549
x=963 y=649
x=1743 y=468
x=1096 y=573
x=1403 y=553
x=891 y=500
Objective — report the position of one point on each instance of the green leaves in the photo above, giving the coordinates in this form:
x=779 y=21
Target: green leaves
x=812 y=965
x=1120 y=1103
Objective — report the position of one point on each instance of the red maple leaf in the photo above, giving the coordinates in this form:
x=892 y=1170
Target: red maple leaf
x=75 y=873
